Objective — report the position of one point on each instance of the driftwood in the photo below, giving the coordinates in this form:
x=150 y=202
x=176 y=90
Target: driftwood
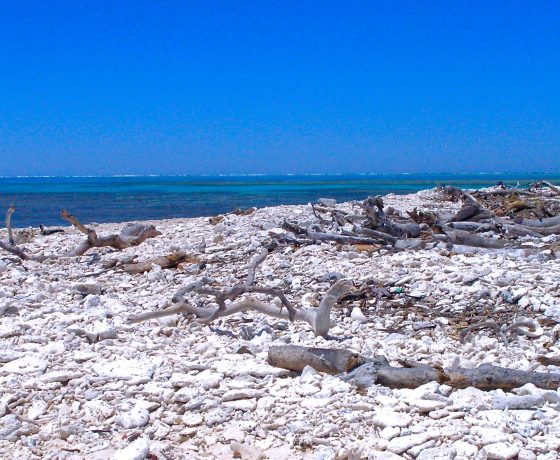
x=547 y=222
x=319 y=318
x=459 y=233
x=329 y=360
x=366 y=372
x=236 y=212
x=168 y=261
x=9 y=213
x=130 y=235
x=377 y=219
x=548 y=184
x=49 y=231
x=484 y=377
x=468 y=239
x=313 y=234
x=549 y=360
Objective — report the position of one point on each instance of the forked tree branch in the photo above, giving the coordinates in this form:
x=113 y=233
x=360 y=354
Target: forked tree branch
x=319 y=318
x=130 y=235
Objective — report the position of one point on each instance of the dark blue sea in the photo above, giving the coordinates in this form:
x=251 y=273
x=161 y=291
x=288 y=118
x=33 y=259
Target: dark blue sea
x=38 y=200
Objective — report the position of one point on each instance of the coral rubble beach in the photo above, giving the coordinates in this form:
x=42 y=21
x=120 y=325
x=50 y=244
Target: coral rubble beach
x=79 y=380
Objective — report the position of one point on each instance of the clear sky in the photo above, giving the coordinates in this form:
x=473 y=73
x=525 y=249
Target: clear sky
x=222 y=87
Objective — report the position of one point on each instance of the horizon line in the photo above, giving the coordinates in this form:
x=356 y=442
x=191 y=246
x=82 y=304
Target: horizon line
x=101 y=176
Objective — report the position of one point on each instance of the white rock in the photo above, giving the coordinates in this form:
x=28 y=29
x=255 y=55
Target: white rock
x=191 y=419
x=96 y=410
x=438 y=453
x=315 y=403
x=186 y=394
x=208 y=379
x=241 y=404
x=427 y=405
x=38 y=408
x=414 y=451
x=168 y=321
x=10 y=355
x=300 y=426
x=501 y=451
x=437 y=414
x=517 y=402
x=135 y=418
x=25 y=365
x=553 y=311
x=324 y=453
x=390 y=418
x=358 y=316
x=216 y=416
x=233 y=433
x=526 y=454
x=389 y=432
x=403 y=443
x=378 y=455
x=233 y=369
x=308 y=375
x=180 y=380
x=248 y=393
x=124 y=369
x=9 y=328
x=488 y=435
x=306 y=389
x=60 y=376
x=137 y=450
x=470 y=398
x=465 y=449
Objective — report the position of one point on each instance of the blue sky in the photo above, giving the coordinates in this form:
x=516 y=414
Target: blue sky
x=199 y=87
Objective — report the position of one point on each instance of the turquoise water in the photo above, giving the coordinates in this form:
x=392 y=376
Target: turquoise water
x=38 y=200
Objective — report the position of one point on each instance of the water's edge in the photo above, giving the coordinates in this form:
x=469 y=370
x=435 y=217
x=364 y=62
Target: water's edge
x=38 y=200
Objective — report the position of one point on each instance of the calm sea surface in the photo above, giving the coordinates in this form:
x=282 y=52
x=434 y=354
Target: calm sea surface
x=38 y=200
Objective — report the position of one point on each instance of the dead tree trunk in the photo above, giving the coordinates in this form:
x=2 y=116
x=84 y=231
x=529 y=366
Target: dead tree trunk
x=379 y=371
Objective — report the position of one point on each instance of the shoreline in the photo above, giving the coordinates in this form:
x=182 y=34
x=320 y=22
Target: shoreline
x=124 y=199
x=393 y=198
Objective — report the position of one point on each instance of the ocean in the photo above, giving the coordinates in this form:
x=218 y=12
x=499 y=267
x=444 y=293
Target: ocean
x=39 y=200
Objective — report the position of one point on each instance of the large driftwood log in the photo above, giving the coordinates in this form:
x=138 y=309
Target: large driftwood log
x=484 y=377
x=547 y=222
x=316 y=235
x=471 y=210
x=130 y=235
x=462 y=237
x=545 y=231
x=329 y=360
x=378 y=371
x=319 y=319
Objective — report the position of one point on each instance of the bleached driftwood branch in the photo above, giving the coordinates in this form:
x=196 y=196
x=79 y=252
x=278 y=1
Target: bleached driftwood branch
x=319 y=319
x=130 y=235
